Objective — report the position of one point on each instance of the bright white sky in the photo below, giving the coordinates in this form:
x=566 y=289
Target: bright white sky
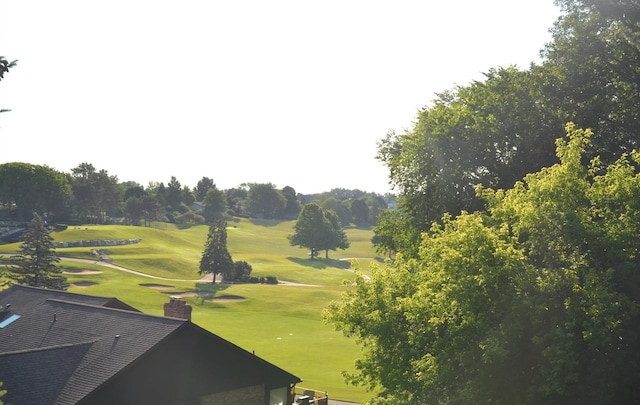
x=296 y=93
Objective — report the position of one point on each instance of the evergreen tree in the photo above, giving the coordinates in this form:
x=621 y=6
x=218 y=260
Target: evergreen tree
x=216 y=258
x=36 y=262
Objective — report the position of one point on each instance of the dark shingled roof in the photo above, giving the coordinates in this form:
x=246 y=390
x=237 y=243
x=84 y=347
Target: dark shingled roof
x=65 y=346
x=82 y=334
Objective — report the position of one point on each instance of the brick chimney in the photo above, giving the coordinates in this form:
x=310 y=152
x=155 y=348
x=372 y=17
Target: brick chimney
x=177 y=308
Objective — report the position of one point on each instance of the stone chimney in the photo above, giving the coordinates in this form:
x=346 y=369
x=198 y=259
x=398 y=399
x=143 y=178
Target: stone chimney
x=177 y=308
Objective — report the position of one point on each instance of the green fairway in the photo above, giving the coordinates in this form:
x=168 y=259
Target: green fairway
x=280 y=323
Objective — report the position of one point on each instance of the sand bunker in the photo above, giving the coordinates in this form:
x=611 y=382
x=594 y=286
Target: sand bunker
x=82 y=284
x=158 y=286
x=81 y=271
x=227 y=298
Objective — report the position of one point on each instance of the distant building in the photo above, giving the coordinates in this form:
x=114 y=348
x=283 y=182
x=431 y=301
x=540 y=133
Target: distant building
x=63 y=348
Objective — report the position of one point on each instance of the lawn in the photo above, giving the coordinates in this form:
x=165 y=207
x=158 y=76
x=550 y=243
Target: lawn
x=280 y=323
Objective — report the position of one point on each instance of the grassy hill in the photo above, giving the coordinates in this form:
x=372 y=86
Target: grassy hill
x=280 y=323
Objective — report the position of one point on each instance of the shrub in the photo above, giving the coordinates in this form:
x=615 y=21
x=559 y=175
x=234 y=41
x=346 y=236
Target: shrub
x=271 y=280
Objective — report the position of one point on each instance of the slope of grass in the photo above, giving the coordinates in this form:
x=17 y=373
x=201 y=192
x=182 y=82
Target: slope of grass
x=282 y=323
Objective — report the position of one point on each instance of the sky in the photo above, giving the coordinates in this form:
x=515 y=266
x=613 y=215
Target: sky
x=294 y=93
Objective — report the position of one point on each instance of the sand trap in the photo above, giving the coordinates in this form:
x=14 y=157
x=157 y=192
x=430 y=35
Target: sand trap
x=227 y=298
x=82 y=284
x=158 y=286
x=81 y=271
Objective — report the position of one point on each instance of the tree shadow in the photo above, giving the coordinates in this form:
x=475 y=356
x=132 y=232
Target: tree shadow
x=267 y=222
x=210 y=288
x=320 y=263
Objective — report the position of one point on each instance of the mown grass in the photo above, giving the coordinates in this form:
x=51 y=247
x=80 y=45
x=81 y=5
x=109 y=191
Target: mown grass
x=280 y=323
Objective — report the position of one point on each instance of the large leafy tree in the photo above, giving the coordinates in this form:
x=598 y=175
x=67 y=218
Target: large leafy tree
x=95 y=192
x=215 y=204
x=29 y=188
x=35 y=265
x=318 y=229
x=216 y=258
x=263 y=199
x=493 y=132
x=535 y=301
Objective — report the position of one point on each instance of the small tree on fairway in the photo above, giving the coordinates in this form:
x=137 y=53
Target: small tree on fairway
x=318 y=229
x=36 y=262
x=216 y=257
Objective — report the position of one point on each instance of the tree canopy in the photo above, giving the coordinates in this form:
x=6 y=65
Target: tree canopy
x=318 y=229
x=494 y=131
x=534 y=301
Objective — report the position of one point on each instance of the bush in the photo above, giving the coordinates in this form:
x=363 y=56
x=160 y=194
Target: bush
x=271 y=280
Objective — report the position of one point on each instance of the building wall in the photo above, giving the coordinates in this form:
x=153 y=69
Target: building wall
x=253 y=395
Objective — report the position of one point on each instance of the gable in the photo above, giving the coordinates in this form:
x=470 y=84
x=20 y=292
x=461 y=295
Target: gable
x=64 y=347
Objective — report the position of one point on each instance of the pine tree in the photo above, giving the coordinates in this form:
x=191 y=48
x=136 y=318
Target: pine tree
x=216 y=258
x=36 y=262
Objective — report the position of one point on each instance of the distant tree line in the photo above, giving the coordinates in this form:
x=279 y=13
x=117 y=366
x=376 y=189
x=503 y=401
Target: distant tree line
x=89 y=195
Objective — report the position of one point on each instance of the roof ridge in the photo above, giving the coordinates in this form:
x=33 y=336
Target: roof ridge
x=124 y=311
x=48 y=348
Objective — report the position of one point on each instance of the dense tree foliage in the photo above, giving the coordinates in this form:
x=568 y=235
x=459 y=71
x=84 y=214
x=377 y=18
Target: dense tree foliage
x=215 y=204
x=293 y=206
x=216 y=258
x=318 y=229
x=96 y=194
x=35 y=264
x=264 y=200
x=495 y=131
x=26 y=188
x=240 y=271
x=534 y=301
x=204 y=184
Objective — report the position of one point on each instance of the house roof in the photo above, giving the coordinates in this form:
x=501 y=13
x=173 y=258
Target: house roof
x=68 y=345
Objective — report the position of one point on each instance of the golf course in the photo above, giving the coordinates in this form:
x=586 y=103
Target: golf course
x=281 y=323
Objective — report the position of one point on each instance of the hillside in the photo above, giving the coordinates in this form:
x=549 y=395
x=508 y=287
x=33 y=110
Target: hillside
x=280 y=323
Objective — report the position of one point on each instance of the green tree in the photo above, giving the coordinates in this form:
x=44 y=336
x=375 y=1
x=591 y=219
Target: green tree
x=263 y=199
x=134 y=210
x=35 y=265
x=95 y=193
x=360 y=211
x=240 y=271
x=318 y=229
x=293 y=207
x=203 y=187
x=535 y=301
x=216 y=258
x=29 y=188
x=341 y=207
x=174 y=193
x=151 y=209
x=215 y=204
x=236 y=199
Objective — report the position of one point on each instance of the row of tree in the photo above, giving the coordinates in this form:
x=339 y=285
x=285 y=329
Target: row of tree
x=516 y=276
x=89 y=195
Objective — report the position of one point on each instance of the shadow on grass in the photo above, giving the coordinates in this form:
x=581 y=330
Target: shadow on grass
x=267 y=222
x=210 y=288
x=320 y=263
